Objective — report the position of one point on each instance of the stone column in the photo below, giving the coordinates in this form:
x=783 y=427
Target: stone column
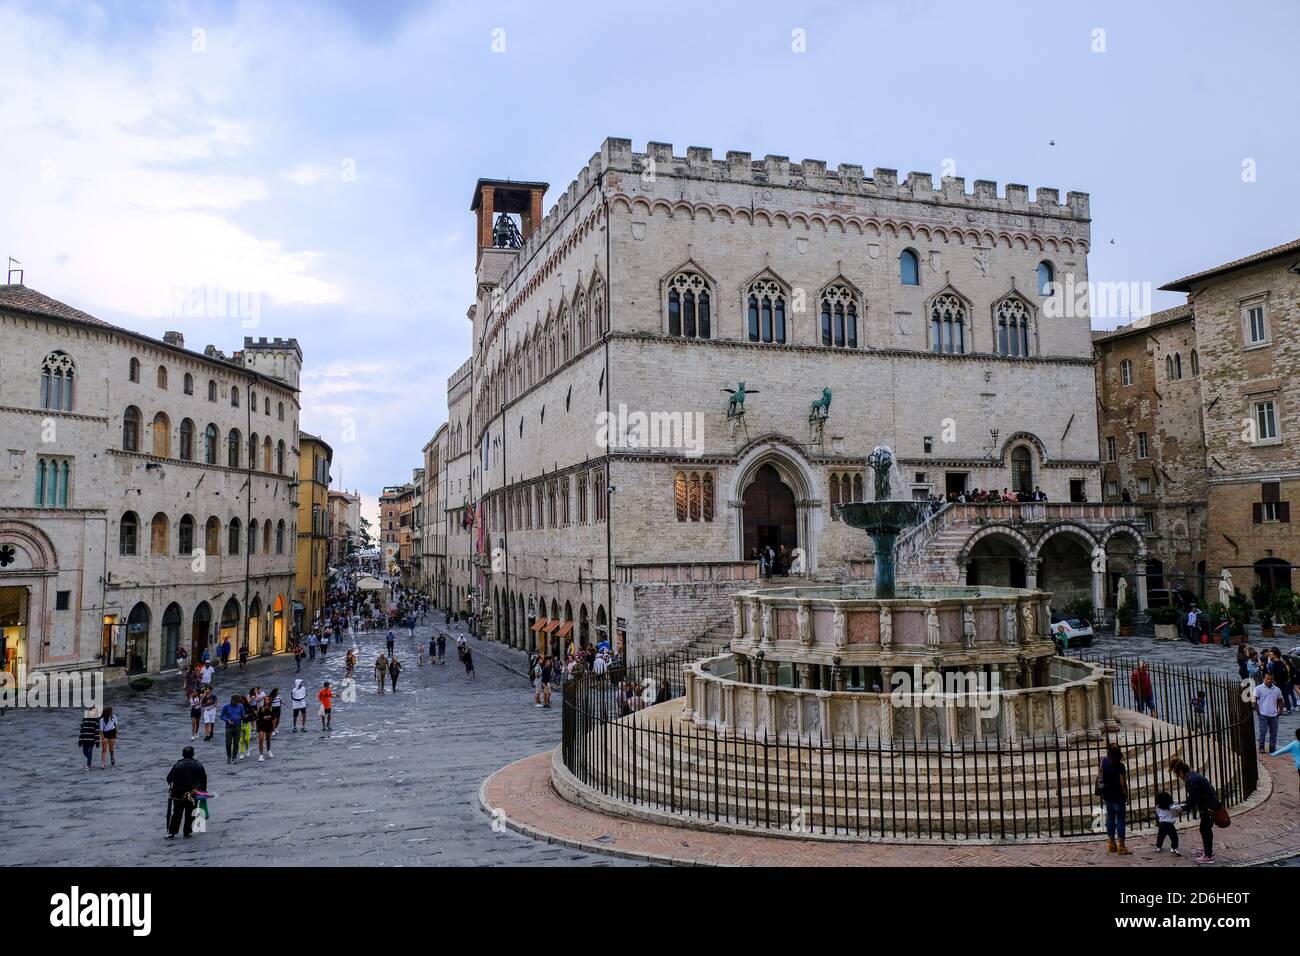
x=824 y=712
x=688 y=707
x=886 y=718
x=771 y=677
x=839 y=678
x=949 y=721
x=805 y=676
x=1058 y=714
x=1009 y=731
x=727 y=706
x=1031 y=575
x=1141 y=572
x=1099 y=589
x=769 y=711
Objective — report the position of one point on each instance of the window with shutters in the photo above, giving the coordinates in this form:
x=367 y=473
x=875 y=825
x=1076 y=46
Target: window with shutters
x=1271 y=508
x=1126 y=372
x=1142 y=445
x=1110 y=447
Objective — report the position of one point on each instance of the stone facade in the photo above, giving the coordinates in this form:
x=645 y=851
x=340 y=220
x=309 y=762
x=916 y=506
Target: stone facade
x=1151 y=441
x=134 y=516
x=434 y=536
x=344 y=525
x=1250 y=365
x=585 y=324
x=314 y=458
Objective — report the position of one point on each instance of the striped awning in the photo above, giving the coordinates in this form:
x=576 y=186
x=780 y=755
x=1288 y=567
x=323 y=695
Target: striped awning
x=553 y=626
x=540 y=624
x=566 y=630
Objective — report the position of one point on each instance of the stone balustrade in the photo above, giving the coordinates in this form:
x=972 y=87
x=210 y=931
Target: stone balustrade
x=1076 y=703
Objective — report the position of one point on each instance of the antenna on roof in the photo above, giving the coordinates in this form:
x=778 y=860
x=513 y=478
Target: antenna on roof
x=10 y=278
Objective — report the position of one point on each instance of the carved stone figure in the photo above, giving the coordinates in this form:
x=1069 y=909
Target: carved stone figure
x=880 y=461
x=1121 y=593
x=886 y=628
x=1009 y=615
x=968 y=626
x=840 y=623
x=752 y=628
x=737 y=620
x=804 y=619
x=797 y=561
x=767 y=622
x=1028 y=622
x=932 y=627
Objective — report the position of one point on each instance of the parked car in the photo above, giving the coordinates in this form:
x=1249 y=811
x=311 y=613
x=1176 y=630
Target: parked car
x=1070 y=632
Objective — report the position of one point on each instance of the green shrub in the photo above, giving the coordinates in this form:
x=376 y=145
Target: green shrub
x=1164 y=615
x=1126 y=613
x=1080 y=608
x=141 y=683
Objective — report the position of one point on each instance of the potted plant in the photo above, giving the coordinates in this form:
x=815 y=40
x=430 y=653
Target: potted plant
x=1265 y=622
x=1165 y=620
x=1124 y=618
x=1237 y=616
x=1286 y=610
x=1080 y=608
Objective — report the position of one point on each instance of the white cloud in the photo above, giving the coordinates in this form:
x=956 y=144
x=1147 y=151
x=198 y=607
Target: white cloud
x=305 y=174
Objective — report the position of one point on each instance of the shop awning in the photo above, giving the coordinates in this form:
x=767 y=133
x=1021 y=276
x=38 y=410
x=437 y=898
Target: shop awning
x=541 y=624
x=566 y=630
x=553 y=626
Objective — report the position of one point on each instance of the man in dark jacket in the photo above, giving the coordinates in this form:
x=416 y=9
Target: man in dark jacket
x=185 y=777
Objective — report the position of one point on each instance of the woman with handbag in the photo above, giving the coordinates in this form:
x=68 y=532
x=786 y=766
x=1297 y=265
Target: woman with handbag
x=1203 y=799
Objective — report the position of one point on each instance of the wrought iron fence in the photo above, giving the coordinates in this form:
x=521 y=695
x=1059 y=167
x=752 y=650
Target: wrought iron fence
x=958 y=789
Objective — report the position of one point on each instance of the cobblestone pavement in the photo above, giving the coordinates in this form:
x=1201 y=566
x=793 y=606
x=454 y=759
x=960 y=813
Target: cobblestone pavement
x=396 y=783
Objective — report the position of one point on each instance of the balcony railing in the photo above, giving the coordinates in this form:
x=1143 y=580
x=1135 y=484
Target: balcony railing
x=685 y=572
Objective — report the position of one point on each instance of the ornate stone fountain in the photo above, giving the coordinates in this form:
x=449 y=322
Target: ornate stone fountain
x=883 y=518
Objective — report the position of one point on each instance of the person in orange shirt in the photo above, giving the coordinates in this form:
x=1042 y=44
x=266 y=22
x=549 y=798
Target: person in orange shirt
x=326 y=698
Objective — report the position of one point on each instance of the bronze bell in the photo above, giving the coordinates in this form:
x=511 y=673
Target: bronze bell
x=503 y=233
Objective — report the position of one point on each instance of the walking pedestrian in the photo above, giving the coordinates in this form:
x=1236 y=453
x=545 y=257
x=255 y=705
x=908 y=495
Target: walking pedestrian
x=246 y=723
x=232 y=715
x=210 y=706
x=276 y=705
x=442 y=648
x=381 y=671
x=311 y=645
x=108 y=731
x=1293 y=748
x=1203 y=800
x=1113 y=790
x=206 y=673
x=390 y=643
x=186 y=778
x=298 y=655
x=1268 y=700
x=1144 y=693
x=298 y=698
x=1166 y=820
x=243 y=656
x=394 y=671
x=190 y=679
x=548 y=674
x=326 y=698
x=324 y=646
x=196 y=714
x=225 y=653
x=419 y=645
x=265 y=728
x=88 y=736
x=468 y=659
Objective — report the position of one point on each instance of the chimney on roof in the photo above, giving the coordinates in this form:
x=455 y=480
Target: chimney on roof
x=174 y=338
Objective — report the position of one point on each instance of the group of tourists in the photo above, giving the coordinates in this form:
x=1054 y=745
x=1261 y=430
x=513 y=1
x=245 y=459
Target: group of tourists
x=988 y=496
x=1201 y=801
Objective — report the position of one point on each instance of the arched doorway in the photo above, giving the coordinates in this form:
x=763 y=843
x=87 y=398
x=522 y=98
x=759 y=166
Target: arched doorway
x=602 y=628
x=171 y=634
x=277 y=624
x=200 y=630
x=137 y=639
x=1065 y=567
x=996 y=560
x=584 y=638
x=13 y=626
x=567 y=637
x=771 y=519
x=230 y=625
x=255 y=626
x=1273 y=574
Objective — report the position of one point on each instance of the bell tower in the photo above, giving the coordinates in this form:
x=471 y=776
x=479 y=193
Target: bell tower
x=497 y=201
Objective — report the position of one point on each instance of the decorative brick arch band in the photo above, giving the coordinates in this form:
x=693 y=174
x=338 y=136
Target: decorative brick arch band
x=34 y=542
x=1089 y=539
x=1023 y=543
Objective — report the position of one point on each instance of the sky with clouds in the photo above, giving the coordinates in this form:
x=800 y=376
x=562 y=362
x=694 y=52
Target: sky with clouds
x=309 y=166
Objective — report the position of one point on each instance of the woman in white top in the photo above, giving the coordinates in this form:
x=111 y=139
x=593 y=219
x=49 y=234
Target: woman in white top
x=108 y=738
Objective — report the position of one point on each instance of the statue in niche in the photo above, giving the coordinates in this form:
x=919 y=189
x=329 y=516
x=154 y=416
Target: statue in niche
x=932 y=627
x=886 y=628
x=1009 y=615
x=767 y=622
x=805 y=625
x=968 y=626
x=840 y=623
x=737 y=620
x=1029 y=623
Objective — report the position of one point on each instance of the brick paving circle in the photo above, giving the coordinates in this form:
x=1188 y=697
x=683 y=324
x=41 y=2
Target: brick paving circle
x=522 y=797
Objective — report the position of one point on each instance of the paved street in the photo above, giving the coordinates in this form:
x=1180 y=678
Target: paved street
x=395 y=784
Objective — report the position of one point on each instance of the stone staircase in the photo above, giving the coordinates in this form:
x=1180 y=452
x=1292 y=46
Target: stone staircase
x=903 y=793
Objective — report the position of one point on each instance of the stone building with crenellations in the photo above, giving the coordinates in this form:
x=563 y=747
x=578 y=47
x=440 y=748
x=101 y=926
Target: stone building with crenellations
x=937 y=321
x=145 y=500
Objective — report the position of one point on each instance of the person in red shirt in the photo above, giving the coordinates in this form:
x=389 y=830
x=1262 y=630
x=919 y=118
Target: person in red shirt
x=326 y=698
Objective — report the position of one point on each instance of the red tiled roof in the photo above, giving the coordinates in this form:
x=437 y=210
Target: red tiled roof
x=1179 y=313
x=1184 y=284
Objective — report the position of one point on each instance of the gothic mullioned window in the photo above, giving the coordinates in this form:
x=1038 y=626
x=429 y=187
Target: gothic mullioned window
x=845 y=487
x=766 y=312
x=584 y=320
x=1012 y=318
x=582 y=499
x=948 y=324
x=839 y=318
x=598 y=305
x=52 y=478
x=57 y=375
x=693 y=495
x=689 y=306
